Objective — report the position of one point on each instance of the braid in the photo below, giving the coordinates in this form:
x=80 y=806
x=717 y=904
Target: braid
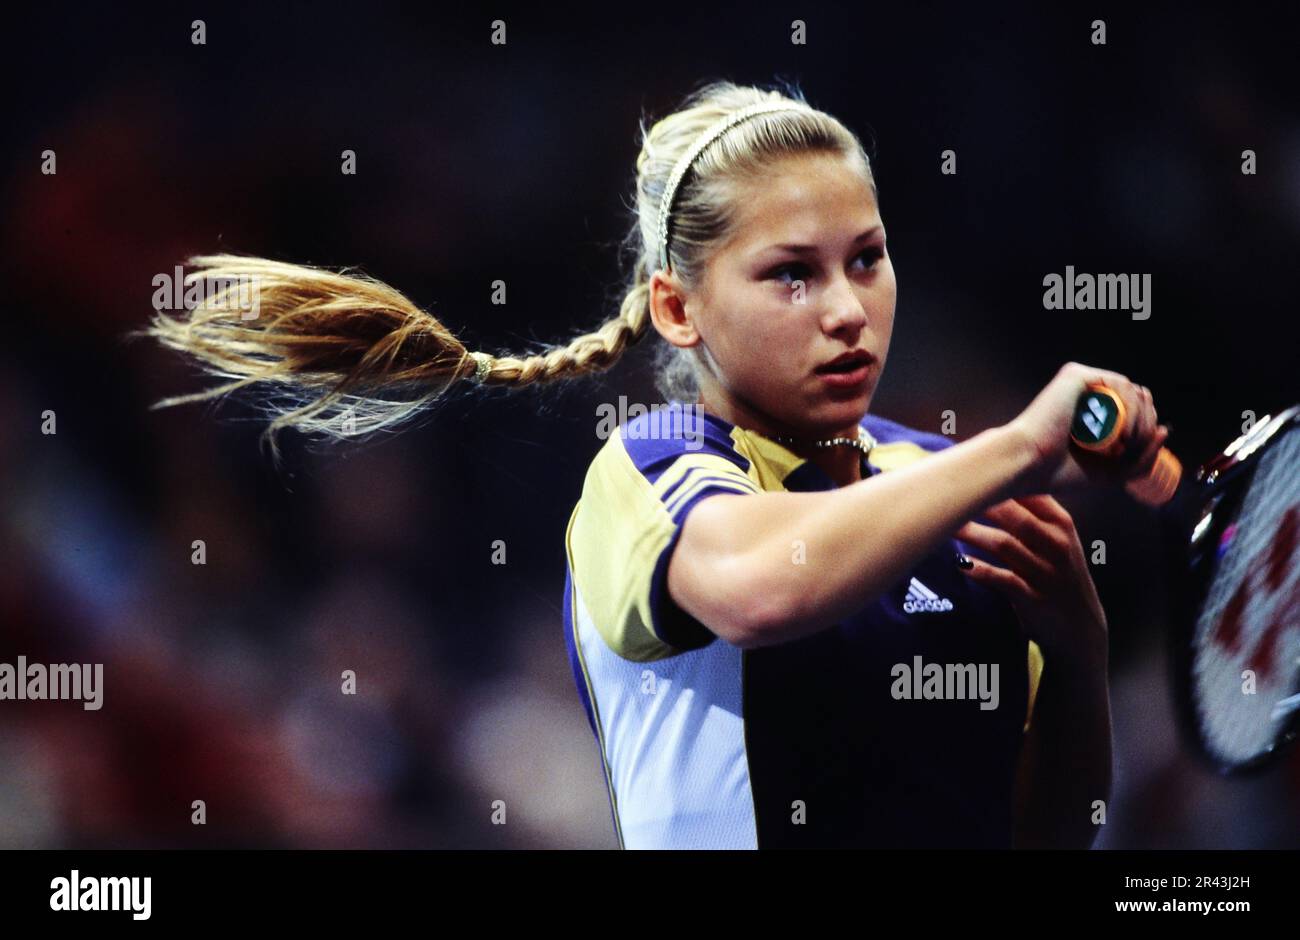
x=344 y=355
x=586 y=354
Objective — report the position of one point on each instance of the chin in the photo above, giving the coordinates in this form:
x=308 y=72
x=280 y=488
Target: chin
x=834 y=415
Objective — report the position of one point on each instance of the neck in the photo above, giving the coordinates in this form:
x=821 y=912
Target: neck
x=840 y=457
x=842 y=463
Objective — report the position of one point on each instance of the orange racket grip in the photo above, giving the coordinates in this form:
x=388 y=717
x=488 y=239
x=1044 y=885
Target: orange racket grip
x=1099 y=421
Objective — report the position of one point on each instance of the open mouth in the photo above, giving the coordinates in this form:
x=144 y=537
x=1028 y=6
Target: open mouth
x=845 y=365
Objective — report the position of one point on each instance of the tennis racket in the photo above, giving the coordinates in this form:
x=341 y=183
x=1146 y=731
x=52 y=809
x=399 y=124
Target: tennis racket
x=1235 y=565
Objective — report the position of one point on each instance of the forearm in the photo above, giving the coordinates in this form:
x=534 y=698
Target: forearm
x=765 y=569
x=827 y=559
x=1065 y=763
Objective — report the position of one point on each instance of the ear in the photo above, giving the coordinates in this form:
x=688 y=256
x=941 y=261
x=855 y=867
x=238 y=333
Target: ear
x=668 y=310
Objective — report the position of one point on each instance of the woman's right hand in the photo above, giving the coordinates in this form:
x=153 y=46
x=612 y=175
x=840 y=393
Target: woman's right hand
x=1056 y=465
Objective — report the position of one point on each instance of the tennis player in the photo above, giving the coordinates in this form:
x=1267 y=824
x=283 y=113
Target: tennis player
x=792 y=623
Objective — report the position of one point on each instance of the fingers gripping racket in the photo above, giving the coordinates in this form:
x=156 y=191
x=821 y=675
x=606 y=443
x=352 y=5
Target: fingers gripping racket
x=1099 y=421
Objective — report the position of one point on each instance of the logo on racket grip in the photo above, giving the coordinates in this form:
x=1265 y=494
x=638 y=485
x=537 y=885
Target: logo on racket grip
x=1098 y=427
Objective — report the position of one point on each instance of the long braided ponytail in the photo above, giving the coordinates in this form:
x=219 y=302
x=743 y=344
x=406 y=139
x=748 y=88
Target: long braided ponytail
x=342 y=355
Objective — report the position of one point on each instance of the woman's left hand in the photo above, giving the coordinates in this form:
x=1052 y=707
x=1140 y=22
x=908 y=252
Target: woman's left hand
x=1046 y=576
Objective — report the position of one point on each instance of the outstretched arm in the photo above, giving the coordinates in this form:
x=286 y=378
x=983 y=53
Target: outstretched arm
x=732 y=568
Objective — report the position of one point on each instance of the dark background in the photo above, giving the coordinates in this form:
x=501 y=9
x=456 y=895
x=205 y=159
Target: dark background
x=479 y=162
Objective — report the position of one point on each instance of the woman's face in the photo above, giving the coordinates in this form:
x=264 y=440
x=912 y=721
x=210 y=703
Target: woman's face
x=802 y=279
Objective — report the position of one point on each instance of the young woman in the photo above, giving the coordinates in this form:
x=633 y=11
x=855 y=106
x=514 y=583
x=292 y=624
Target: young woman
x=818 y=662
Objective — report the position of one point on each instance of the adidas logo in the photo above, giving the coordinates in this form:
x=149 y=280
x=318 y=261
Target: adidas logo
x=921 y=599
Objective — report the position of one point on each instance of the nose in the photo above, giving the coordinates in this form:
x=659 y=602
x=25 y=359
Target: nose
x=844 y=313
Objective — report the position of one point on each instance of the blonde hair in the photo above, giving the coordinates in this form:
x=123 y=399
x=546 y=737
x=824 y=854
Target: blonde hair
x=344 y=355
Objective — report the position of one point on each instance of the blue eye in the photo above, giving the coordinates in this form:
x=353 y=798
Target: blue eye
x=788 y=269
x=799 y=271
x=874 y=254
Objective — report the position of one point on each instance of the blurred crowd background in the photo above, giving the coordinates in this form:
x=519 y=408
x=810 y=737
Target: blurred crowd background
x=477 y=163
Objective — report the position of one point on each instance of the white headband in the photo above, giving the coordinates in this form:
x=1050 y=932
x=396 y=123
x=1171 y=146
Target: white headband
x=707 y=137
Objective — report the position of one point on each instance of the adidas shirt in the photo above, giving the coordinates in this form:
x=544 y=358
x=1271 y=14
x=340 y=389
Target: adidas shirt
x=804 y=744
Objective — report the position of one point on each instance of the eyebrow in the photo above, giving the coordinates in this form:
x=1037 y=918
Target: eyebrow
x=807 y=249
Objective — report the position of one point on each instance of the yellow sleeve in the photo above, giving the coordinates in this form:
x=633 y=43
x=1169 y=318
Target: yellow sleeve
x=621 y=536
x=1035 y=674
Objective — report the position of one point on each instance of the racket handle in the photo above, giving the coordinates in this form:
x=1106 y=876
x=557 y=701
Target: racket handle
x=1099 y=420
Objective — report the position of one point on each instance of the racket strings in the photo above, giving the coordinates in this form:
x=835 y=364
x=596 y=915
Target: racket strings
x=1246 y=644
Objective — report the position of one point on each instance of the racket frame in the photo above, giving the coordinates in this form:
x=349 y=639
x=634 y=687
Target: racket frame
x=1220 y=485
